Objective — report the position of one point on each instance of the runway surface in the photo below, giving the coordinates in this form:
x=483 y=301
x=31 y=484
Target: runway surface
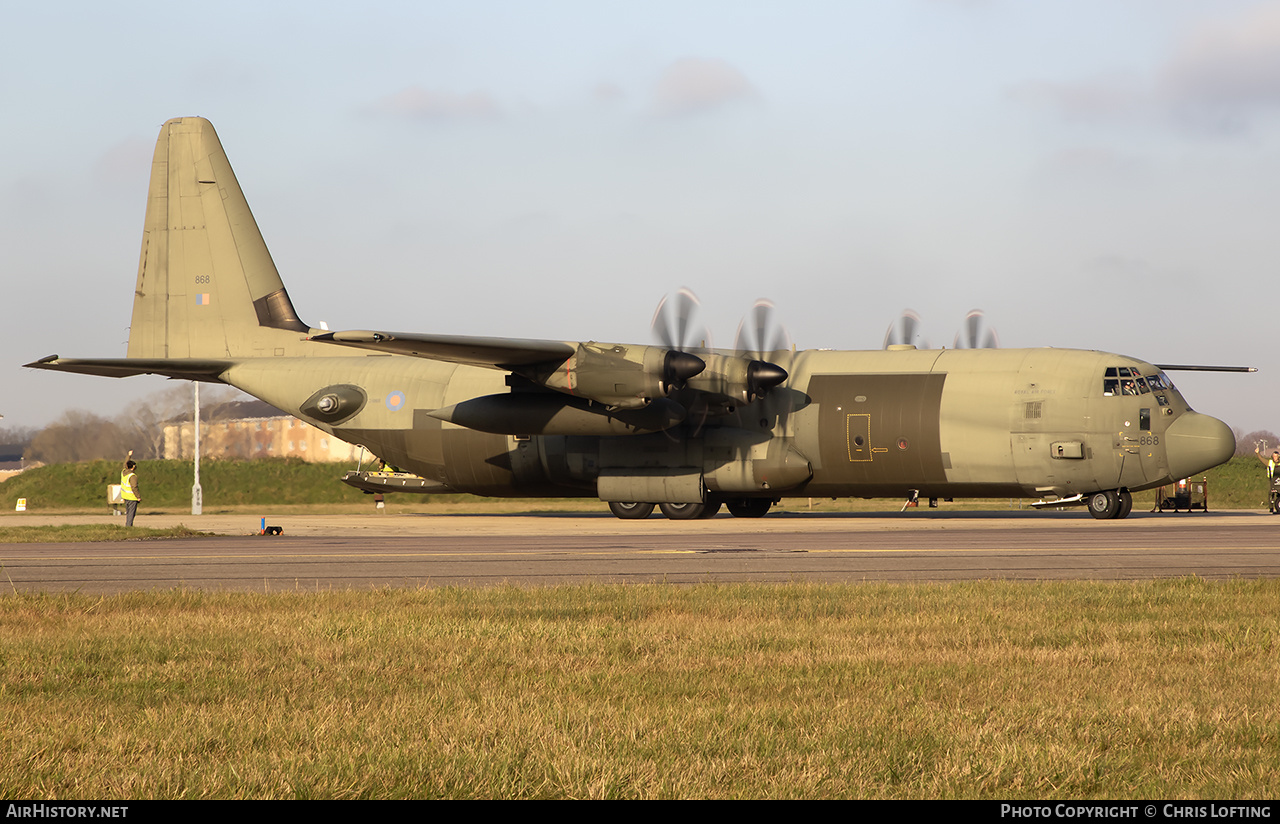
x=341 y=552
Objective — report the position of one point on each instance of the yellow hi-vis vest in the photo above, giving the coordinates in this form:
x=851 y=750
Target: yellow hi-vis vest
x=127 y=492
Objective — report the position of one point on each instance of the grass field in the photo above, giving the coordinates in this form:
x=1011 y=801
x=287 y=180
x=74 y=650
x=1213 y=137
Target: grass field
x=974 y=690
x=290 y=485
x=978 y=690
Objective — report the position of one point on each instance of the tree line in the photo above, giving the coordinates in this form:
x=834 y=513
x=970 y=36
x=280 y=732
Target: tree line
x=81 y=435
x=1263 y=439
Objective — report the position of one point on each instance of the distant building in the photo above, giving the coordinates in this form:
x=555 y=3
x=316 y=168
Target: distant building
x=11 y=462
x=253 y=429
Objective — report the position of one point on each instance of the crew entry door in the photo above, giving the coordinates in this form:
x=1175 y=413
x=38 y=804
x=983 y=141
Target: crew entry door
x=858 y=435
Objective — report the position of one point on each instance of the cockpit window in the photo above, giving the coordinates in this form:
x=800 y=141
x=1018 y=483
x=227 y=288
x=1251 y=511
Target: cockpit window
x=1128 y=381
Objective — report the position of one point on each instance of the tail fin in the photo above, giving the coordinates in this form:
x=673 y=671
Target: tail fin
x=207 y=287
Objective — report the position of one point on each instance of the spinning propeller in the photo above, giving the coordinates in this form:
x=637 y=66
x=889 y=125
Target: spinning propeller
x=905 y=331
x=672 y=324
x=759 y=335
x=723 y=381
x=975 y=332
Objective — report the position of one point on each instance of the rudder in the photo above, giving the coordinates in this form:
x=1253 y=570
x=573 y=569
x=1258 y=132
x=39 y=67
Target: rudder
x=207 y=286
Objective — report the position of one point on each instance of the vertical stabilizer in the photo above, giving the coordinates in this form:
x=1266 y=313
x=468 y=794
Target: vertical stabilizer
x=207 y=287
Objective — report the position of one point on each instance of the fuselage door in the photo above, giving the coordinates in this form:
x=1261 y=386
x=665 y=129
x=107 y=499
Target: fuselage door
x=858 y=434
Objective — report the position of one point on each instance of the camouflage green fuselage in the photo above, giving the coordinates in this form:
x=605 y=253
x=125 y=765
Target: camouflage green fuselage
x=944 y=423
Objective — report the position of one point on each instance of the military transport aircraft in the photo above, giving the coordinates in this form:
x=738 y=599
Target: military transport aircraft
x=683 y=428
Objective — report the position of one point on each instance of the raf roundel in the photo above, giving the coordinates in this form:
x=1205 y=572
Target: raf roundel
x=395 y=401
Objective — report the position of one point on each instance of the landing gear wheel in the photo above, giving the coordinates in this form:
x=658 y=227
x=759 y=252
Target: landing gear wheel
x=749 y=507
x=630 y=511
x=1104 y=505
x=689 y=512
x=1126 y=504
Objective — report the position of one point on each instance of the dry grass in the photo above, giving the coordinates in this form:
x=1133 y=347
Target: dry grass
x=91 y=532
x=1072 y=690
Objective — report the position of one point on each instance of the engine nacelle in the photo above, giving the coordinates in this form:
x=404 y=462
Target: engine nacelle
x=619 y=376
x=730 y=381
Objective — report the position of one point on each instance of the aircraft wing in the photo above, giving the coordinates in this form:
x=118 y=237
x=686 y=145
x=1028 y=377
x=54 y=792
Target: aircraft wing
x=190 y=369
x=498 y=353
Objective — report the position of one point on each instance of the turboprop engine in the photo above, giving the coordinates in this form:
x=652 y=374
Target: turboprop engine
x=618 y=376
x=732 y=380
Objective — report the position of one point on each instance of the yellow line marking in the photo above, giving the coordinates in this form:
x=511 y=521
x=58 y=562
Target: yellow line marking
x=848 y=436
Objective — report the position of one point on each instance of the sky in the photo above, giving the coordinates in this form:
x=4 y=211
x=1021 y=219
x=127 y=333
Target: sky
x=1092 y=174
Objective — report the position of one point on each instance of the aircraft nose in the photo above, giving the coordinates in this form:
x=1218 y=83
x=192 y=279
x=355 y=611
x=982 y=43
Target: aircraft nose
x=1195 y=442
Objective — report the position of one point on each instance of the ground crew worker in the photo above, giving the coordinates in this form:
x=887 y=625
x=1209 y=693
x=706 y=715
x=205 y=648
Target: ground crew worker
x=129 y=492
x=1272 y=462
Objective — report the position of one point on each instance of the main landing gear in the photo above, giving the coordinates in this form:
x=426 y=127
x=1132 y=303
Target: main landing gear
x=690 y=512
x=738 y=508
x=630 y=511
x=1110 y=504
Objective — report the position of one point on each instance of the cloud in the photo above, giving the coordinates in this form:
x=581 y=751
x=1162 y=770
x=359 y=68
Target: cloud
x=1108 y=98
x=1226 y=71
x=428 y=104
x=692 y=86
x=1219 y=78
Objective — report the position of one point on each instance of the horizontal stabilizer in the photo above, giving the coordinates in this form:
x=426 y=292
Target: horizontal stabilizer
x=189 y=369
x=499 y=353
